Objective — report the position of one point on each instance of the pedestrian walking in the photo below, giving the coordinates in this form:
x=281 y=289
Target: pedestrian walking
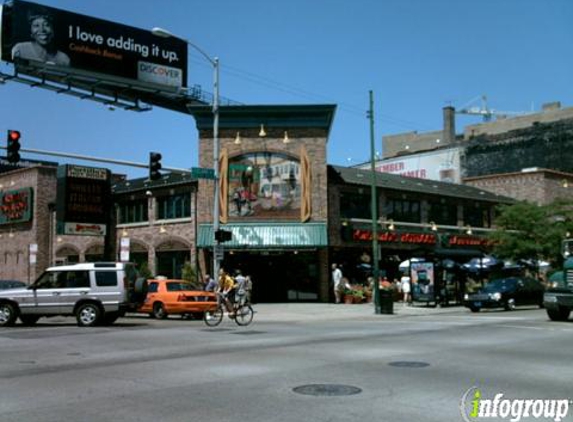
x=210 y=283
x=336 y=280
x=249 y=288
x=240 y=288
x=406 y=288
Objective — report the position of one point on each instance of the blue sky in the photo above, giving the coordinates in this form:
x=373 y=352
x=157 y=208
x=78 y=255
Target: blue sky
x=416 y=55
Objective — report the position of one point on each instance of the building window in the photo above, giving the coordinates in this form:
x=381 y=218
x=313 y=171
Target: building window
x=176 y=206
x=443 y=213
x=477 y=215
x=402 y=210
x=133 y=212
x=355 y=205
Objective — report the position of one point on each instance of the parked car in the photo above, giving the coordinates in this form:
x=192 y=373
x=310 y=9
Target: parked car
x=166 y=297
x=11 y=284
x=507 y=293
x=95 y=293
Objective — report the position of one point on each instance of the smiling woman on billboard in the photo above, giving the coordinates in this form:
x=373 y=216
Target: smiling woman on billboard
x=41 y=46
x=40 y=34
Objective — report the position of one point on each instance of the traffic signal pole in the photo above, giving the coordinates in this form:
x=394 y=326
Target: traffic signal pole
x=98 y=159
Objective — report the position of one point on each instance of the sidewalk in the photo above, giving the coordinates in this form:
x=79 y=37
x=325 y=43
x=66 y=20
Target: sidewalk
x=300 y=312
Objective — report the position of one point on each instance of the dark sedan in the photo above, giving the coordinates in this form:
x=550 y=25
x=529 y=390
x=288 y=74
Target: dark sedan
x=11 y=284
x=506 y=293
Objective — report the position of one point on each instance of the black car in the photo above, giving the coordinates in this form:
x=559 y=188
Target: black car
x=11 y=284
x=507 y=293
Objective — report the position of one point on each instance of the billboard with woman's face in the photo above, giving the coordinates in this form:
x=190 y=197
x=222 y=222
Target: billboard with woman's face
x=38 y=35
x=264 y=185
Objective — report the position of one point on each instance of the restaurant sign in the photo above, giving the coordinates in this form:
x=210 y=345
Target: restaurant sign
x=83 y=200
x=393 y=237
x=16 y=206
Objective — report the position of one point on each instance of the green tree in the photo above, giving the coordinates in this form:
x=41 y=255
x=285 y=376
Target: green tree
x=144 y=270
x=529 y=231
x=189 y=274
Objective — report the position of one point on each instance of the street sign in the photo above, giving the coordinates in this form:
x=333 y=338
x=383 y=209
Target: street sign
x=219 y=252
x=202 y=173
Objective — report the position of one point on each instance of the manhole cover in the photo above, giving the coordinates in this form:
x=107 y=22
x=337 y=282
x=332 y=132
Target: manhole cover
x=409 y=364
x=327 y=390
x=248 y=333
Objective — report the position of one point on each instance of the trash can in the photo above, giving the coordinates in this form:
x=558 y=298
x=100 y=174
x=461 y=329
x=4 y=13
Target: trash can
x=386 y=302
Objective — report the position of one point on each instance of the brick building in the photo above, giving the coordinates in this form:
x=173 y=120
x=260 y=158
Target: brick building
x=527 y=157
x=274 y=196
x=290 y=214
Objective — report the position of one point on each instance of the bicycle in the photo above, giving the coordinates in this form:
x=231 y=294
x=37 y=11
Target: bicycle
x=243 y=313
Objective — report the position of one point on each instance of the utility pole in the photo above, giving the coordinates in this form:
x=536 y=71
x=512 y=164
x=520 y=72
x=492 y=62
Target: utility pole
x=374 y=205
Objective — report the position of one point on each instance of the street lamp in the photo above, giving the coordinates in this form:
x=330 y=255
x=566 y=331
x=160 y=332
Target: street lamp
x=160 y=32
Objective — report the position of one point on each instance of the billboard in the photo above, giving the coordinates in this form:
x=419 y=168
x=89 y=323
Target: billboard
x=83 y=201
x=442 y=165
x=422 y=276
x=38 y=35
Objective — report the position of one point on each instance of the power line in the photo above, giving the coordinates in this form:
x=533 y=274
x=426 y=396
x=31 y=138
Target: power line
x=309 y=95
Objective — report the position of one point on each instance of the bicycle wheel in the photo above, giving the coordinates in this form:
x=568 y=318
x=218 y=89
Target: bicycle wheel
x=244 y=315
x=213 y=318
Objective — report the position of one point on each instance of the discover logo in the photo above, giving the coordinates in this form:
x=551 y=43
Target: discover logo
x=474 y=407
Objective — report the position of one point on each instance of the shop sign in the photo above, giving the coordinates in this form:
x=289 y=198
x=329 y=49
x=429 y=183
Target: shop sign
x=16 y=206
x=393 y=237
x=472 y=241
x=83 y=200
x=124 y=249
x=33 y=253
x=84 y=229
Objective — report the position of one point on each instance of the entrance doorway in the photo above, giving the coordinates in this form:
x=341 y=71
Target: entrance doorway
x=278 y=276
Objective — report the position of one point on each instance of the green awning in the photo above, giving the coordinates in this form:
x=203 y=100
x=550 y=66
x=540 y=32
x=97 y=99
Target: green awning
x=267 y=235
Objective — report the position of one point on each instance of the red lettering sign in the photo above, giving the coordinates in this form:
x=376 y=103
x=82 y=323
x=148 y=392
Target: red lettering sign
x=14 y=205
x=392 y=237
x=467 y=241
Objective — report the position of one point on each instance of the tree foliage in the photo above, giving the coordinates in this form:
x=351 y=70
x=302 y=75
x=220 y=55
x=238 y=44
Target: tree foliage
x=189 y=273
x=532 y=232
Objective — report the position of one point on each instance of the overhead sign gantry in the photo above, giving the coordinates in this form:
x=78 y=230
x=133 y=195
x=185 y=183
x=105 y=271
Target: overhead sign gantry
x=94 y=59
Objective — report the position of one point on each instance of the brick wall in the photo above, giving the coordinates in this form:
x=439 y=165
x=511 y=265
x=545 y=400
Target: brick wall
x=548 y=146
x=540 y=187
x=15 y=239
x=314 y=140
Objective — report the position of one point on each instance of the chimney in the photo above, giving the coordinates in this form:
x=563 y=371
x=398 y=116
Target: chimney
x=449 y=125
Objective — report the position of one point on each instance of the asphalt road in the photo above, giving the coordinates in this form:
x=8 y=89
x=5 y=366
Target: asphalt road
x=349 y=363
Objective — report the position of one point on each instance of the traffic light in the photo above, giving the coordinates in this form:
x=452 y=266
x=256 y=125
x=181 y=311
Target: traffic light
x=154 y=165
x=13 y=146
x=223 y=235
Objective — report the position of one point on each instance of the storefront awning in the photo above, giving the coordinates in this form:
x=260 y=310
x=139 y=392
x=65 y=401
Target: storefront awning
x=271 y=235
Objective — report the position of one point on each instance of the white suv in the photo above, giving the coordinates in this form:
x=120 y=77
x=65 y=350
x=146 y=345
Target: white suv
x=95 y=293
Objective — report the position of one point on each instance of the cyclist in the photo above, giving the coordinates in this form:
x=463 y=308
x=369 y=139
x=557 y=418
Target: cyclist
x=226 y=290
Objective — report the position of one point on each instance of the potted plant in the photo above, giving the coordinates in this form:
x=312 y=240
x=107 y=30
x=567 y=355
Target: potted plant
x=348 y=296
x=358 y=295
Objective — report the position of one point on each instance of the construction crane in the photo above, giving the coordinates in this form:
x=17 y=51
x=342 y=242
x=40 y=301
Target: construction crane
x=486 y=112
